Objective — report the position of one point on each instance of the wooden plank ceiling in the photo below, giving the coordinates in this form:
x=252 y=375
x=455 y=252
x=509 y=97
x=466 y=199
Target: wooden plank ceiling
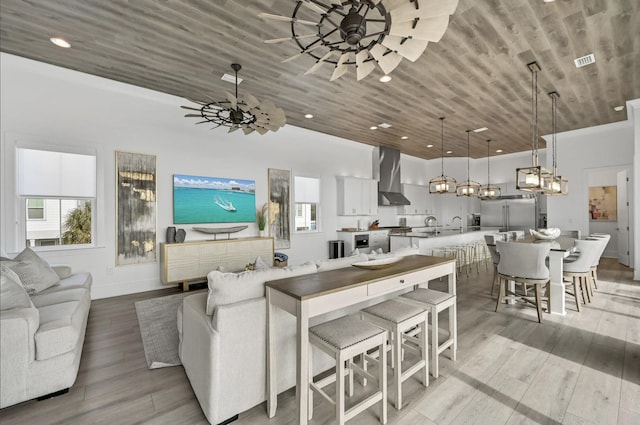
x=476 y=75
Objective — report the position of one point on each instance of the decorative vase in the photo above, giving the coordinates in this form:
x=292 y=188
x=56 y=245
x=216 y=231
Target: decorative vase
x=180 y=235
x=171 y=234
x=261 y=233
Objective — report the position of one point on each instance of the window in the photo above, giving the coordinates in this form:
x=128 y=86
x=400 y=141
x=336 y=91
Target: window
x=58 y=191
x=35 y=209
x=307 y=199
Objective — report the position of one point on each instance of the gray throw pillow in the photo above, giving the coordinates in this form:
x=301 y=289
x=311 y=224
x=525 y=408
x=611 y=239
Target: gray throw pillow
x=12 y=294
x=35 y=274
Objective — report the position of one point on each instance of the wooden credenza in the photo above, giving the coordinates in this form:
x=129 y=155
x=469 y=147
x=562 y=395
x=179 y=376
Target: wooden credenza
x=192 y=261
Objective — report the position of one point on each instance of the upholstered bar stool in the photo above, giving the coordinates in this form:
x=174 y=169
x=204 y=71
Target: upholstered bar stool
x=524 y=264
x=343 y=339
x=495 y=257
x=579 y=270
x=435 y=302
x=397 y=318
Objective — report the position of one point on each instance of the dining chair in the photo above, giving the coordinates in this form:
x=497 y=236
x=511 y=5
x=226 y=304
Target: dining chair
x=495 y=257
x=524 y=264
x=579 y=270
x=604 y=239
x=576 y=234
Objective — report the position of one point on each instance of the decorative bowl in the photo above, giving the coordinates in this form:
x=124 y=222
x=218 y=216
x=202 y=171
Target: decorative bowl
x=545 y=234
x=377 y=264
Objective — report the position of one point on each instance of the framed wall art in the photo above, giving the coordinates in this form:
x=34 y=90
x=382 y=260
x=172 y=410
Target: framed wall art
x=135 y=208
x=198 y=199
x=603 y=203
x=280 y=207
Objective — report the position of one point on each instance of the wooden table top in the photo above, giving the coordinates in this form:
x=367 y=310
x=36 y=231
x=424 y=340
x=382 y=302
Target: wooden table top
x=323 y=283
x=561 y=243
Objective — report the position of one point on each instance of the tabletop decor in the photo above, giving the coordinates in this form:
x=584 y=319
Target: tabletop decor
x=546 y=234
x=382 y=263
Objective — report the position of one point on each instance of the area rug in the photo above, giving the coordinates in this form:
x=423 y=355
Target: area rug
x=158 y=327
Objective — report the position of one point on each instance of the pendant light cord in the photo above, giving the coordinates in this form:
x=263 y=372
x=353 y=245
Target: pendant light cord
x=534 y=117
x=488 y=168
x=553 y=137
x=442 y=144
x=468 y=160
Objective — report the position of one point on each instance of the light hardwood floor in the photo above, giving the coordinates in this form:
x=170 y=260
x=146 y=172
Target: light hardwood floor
x=583 y=368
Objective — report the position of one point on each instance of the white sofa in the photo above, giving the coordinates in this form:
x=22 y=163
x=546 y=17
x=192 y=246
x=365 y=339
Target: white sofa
x=41 y=344
x=224 y=352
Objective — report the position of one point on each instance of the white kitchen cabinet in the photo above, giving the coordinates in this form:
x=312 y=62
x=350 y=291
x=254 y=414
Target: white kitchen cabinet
x=357 y=196
x=419 y=198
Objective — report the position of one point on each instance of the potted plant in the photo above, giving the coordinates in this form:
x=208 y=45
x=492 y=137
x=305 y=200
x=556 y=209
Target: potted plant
x=261 y=219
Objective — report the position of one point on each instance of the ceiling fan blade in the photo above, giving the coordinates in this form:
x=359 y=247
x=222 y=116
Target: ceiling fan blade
x=193 y=116
x=427 y=9
x=232 y=99
x=247 y=130
x=314 y=7
x=191 y=108
x=300 y=54
x=233 y=128
x=319 y=63
x=250 y=102
x=297 y=37
x=388 y=61
x=393 y=4
x=410 y=49
x=340 y=68
x=429 y=29
x=287 y=19
x=363 y=68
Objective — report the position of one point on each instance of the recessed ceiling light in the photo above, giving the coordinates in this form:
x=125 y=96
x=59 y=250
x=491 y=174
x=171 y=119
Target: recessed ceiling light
x=480 y=130
x=549 y=1
x=309 y=116
x=499 y=150
x=429 y=146
x=60 y=42
x=230 y=78
x=373 y=127
x=404 y=137
x=384 y=125
x=618 y=108
x=385 y=78
x=449 y=151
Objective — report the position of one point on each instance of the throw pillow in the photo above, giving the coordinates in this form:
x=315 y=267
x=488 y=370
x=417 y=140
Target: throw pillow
x=12 y=294
x=35 y=274
x=3 y=255
x=260 y=264
x=228 y=288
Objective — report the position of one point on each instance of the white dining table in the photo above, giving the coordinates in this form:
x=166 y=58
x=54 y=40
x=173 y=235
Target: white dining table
x=312 y=295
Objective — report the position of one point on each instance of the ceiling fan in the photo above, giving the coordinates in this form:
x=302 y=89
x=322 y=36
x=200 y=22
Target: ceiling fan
x=364 y=32
x=248 y=113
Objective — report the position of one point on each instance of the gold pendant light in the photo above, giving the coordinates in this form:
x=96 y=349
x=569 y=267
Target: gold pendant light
x=534 y=178
x=489 y=191
x=442 y=184
x=468 y=187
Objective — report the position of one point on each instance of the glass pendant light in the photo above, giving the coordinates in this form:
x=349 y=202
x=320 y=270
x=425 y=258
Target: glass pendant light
x=559 y=186
x=489 y=191
x=468 y=187
x=442 y=184
x=534 y=178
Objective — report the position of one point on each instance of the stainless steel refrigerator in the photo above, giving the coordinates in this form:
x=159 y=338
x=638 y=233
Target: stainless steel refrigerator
x=517 y=212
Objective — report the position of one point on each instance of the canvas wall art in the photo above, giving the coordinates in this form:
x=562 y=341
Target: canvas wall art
x=198 y=199
x=280 y=207
x=135 y=208
x=603 y=203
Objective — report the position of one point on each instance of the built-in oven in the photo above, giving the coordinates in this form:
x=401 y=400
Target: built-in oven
x=361 y=240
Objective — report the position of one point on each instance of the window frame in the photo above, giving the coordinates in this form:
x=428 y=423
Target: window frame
x=44 y=209
x=318 y=204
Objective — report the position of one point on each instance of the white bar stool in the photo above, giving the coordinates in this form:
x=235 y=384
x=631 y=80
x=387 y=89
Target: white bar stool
x=343 y=339
x=397 y=318
x=435 y=302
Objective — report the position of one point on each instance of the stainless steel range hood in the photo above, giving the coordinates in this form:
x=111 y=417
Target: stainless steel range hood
x=386 y=169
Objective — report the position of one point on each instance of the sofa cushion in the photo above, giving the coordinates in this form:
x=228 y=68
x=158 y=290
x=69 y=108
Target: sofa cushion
x=12 y=293
x=80 y=280
x=228 y=288
x=58 y=297
x=60 y=327
x=35 y=274
x=338 y=263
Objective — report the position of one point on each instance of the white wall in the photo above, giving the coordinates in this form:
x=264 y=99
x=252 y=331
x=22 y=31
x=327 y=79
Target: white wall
x=633 y=110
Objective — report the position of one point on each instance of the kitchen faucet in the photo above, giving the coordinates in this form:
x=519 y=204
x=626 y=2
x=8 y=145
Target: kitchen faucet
x=459 y=218
x=428 y=220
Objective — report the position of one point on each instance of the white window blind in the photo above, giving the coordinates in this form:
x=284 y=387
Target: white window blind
x=307 y=190
x=59 y=174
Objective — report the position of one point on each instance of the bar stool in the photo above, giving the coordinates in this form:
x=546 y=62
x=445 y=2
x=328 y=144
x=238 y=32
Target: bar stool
x=397 y=318
x=343 y=339
x=495 y=257
x=435 y=302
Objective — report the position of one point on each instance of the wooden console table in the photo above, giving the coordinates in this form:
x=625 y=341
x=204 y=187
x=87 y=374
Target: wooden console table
x=192 y=261
x=311 y=295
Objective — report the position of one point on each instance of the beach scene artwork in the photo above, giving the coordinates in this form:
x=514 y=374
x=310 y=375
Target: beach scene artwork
x=198 y=199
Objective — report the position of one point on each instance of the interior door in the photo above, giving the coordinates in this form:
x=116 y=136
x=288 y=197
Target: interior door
x=623 y=218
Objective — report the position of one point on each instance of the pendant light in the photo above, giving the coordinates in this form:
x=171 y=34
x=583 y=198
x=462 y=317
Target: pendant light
x=442 y=184
x=559 y=186
x=489 y=191
x=534 y=178
x=468 y=187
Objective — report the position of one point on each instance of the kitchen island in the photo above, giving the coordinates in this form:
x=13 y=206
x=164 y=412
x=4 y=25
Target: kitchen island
x=428 y=241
